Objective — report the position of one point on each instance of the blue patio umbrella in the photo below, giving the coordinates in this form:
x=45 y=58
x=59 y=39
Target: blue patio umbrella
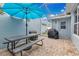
x=32 y=10
x=23 y=10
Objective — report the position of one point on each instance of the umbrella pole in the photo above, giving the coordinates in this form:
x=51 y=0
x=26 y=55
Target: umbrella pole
x=26 y=26
x=26 y=22
x=40 y=27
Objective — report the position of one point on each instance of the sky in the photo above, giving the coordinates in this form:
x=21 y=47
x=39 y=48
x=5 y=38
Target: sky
x=56 y=8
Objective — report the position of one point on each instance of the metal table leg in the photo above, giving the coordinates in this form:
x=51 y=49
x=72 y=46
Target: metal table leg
x=12 y=46
x=8 y=46
x=21 y=53
x=26 y=41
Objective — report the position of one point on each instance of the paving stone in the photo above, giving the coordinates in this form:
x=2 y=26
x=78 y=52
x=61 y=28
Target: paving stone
x=51 y=47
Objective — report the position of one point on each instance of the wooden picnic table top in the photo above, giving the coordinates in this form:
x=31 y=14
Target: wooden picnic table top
x=19 y=37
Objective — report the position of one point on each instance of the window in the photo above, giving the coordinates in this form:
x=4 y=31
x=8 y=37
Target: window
x=78 y=28
x=78 y=19
x=75 y=28
x=78 y=13
x=63 y=25
x=76 y=22
x=75 y=17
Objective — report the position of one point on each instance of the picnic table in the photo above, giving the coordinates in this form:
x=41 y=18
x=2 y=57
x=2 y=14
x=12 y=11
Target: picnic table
x=11 y=42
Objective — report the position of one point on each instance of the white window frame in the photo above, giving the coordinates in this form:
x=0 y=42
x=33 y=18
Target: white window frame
x=63 y=25
x=77 y=20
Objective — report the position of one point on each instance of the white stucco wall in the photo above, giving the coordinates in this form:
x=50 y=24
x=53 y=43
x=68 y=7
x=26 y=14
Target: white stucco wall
x=75 y=38
x=34 y=25
x=62 y=33
x=38 y=26
x=12 y=27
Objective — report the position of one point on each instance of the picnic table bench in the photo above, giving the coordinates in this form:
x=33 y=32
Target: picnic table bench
x=12 y=40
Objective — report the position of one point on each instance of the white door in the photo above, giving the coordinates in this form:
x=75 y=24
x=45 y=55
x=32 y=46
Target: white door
x=63 y=29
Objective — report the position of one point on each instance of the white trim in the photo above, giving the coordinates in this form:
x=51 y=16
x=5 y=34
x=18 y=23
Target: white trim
x=59 y=17
x=77 y=20
x=77 y=9
x=76 y=36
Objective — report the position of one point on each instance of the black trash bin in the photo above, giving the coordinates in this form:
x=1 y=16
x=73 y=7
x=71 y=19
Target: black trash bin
x=34 y=37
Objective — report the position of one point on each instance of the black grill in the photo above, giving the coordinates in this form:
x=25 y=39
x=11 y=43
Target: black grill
x=53 y=33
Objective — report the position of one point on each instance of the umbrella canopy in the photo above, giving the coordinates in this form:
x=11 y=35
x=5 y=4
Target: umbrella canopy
x=23 y=10
x=33 y=10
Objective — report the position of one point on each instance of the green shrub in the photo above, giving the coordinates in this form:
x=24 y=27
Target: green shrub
x=1 y=12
